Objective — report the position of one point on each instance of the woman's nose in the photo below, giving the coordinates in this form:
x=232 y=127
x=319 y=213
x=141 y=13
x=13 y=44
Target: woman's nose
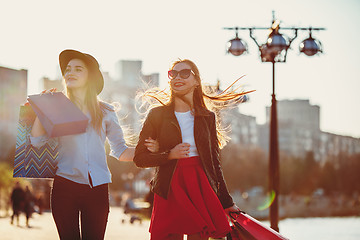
x=69 y=72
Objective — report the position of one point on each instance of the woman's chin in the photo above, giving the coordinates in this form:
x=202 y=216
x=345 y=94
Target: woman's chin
x=72 y=86
x=182 y=92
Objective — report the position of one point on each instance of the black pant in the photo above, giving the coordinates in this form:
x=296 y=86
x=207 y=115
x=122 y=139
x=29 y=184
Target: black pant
x=69 y=199
x=16 y=212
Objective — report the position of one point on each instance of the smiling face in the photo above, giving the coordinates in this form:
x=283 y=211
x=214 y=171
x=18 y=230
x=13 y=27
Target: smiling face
x=181 y=86
x=76 y=74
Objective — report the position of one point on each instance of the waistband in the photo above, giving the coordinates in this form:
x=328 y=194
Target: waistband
x=190 y=161
x=66 y=182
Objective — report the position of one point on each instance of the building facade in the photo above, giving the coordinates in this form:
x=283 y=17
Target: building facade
x=243 y=129
x=298 y=131
x=13 y=93
x=123 y=88
x=53 y=83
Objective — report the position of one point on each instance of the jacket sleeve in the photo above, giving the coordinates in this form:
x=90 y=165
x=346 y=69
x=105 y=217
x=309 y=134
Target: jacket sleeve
x=223 y=193
x=143 y=157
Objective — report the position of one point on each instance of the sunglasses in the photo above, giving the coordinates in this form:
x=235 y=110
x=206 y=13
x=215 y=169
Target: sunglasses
x=184 y=74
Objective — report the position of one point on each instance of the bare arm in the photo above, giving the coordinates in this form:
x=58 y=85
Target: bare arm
x=37 y=128
x=127 y=155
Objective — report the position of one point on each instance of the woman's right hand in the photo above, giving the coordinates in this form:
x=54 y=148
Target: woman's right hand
x=152 y=145
x=52 y=90
x=181 y=150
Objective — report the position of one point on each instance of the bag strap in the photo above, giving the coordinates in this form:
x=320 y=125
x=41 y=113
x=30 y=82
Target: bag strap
x=233 y=215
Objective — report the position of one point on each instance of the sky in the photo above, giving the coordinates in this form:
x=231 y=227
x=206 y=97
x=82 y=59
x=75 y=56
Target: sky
x=33 y=33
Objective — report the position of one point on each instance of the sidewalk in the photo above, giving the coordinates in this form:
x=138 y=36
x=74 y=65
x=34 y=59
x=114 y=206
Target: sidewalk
x=43 y=228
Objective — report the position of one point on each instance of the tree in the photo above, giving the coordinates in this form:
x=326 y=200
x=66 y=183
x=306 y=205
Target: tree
x=243 y=167
x=329 y=179
x=6 y=181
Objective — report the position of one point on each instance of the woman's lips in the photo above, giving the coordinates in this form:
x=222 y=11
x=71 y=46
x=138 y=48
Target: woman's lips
x=178 y=84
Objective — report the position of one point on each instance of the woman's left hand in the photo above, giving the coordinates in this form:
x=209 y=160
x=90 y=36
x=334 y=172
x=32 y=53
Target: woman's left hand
x=233 y=208
x=152 y=145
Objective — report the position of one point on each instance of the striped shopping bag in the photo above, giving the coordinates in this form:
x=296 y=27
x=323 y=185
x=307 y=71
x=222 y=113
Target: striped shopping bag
x=32 y=162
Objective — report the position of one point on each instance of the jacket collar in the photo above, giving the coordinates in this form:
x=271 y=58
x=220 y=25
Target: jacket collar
x=169 y=111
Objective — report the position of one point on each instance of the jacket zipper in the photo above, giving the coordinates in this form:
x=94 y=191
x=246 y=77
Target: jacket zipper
x=178 y=128
x=172 y=174
x=207 y=172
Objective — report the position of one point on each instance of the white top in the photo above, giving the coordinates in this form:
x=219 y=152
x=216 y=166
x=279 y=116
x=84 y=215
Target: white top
x=84 y=154
x=186 y=122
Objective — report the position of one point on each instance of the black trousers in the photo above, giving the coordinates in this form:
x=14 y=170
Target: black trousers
x=69 y=200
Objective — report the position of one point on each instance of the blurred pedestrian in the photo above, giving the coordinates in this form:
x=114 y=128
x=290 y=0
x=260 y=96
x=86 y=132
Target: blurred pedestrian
x=17 y=199
x=191 y=196
x=29 y=204
x=40 y=202
x=80 y=187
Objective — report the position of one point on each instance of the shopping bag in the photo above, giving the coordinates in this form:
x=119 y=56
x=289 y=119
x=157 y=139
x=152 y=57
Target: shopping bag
x=58 y=115
x=32 y=162
x=239 y=233
x=246 y=227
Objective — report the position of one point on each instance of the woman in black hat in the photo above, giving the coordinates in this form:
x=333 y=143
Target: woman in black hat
x=81 y=181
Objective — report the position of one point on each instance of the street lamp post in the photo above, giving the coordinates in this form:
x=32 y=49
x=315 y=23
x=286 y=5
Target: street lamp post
x=274 y=51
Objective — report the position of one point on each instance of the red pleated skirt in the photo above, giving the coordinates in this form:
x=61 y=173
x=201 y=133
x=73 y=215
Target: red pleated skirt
x=192 y=206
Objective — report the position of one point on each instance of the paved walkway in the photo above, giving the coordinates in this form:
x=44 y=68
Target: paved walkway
x=42 y=227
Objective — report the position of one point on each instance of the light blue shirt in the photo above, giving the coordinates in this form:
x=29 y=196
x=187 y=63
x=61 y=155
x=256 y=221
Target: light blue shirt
x=84 y=154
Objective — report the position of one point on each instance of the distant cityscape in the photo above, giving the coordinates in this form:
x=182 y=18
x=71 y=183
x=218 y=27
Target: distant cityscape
x=299 y=121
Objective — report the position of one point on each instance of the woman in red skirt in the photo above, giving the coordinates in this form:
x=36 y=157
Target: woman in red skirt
x=191 y=196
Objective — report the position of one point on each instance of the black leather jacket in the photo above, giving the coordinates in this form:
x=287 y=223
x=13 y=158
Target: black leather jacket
x=162 y=125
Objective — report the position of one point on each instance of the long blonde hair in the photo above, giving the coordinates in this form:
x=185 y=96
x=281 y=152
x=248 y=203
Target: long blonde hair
x=94 y=105
x=205 y=99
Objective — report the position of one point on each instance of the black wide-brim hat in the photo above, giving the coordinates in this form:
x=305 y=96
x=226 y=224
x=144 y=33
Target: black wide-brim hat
x=92 y=64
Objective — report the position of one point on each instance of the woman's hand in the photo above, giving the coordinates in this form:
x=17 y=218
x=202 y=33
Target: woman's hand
x=232 y=209
x=181 y=150
x=52 y=90
x=152 y=145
